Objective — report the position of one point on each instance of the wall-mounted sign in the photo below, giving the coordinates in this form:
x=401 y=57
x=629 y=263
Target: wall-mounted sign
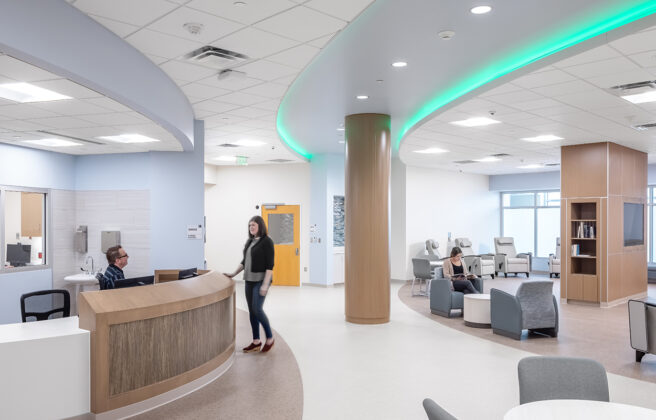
x=194 y=232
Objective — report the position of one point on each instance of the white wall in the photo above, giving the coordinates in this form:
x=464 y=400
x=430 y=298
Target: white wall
x=231 y=203
x=439 y=202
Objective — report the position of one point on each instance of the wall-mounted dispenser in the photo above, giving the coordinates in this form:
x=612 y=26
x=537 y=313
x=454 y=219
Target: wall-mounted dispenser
x=81 y=239
x=108 y=239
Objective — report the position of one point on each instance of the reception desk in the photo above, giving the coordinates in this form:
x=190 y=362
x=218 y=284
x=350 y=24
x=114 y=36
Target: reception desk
x=150 y=340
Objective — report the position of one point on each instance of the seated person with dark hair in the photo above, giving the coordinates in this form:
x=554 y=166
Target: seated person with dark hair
x=117 y=259
x=456 y=270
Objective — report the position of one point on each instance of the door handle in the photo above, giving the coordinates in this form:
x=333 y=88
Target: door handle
x=297 y=251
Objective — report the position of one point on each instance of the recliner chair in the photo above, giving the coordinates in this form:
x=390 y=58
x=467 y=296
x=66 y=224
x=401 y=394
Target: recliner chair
x=481 y=265
x=554 y=260
x=507 y=260
x=432 y=247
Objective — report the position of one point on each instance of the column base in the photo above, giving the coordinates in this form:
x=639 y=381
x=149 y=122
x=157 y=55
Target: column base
x=356 y=320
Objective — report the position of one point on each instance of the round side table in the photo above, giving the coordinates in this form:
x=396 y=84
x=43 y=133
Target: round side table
x=476 y=310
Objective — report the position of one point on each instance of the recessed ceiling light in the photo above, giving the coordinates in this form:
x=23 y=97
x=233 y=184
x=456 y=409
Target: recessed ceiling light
x=129 y=138
x=480 y=10
x=341 y=142
x=475 y=122
x=341 y=129
x=25 y=92
x=544 y=137
x=431 y=150
x=239 y=3
x=362 y=97
x=249 y=143
x=488 y=159
x=641 y=98
x=446 y=35
x=52 y=142
x=399 y=64
x=531 y=166
x=226 y=158
x=379 y=80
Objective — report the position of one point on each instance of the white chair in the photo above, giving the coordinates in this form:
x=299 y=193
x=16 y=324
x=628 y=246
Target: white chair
x=481 y=265
x=507 y=260
x=554 y=261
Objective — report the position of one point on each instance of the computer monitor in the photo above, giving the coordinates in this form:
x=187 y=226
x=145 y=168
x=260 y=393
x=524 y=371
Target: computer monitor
x=187 y=274
x=18 y=255
x=134 y=281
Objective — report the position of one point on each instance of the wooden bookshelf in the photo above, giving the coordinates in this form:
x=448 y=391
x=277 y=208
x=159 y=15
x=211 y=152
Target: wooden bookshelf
x=582 y=281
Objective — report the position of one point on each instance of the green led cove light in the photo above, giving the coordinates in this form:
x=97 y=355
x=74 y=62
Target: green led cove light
x=546 y=48
x=282 y=132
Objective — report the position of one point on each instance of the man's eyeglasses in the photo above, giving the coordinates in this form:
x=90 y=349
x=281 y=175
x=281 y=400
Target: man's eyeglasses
x=123 y=256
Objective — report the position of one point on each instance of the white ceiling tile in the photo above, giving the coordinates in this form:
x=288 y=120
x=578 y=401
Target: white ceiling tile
x=213 y=28
x=270 y=90
x=61 y=122
x=214 y=106
x=160 y=44
x=133 y=12
x=22 y=72
x=287 y=80
x=596 y=54
x=230 y=82
x=119 y=28
x=645 y=59
x=564 y=88
x=631 y=76
x=68 y=88
x=591 y=100
x=560 y=109
x=249 y=112
x=156 y=59
x=632 y=44
x=301 y=24
x=186 y=71
x=113 y=119
x=537 y=104
x=20 y=125
x=514 y=97
x=25 y=111
x=345 y=10
x=322 y=41
x=499 y=90
x=239 y=98
x=271 y=105
x=202 y=92
x=71 y=107
x=107 y=103
x=543 y=78
x=254 y=43
x=253 y=11
x=600 y=68
x=297 y=57
x=266 y=70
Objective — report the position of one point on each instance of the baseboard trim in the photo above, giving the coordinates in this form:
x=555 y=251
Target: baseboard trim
x=620 y=301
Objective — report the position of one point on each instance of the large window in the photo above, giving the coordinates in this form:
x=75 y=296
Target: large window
x=651 y=235
x=533 y=219
x=22 y=228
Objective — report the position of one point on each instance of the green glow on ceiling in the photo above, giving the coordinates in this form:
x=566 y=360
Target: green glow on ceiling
x=595 y=26
x=284 y=135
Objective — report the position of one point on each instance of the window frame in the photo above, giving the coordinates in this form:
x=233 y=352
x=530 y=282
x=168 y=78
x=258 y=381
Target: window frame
x=47 y=222
x=650 y=222
x=535 y=208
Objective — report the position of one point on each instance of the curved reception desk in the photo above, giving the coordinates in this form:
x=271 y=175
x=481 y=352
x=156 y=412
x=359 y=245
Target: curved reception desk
x=152 y=344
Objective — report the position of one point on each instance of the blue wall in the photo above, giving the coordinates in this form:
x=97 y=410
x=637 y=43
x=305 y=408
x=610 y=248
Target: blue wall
x=526 y=181
x=21 y=166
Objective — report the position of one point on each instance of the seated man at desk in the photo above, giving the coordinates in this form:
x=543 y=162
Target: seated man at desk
x=117 y=259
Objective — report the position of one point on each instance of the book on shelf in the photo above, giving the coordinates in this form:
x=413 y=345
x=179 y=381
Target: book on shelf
x=585 y=230
x=576 y=248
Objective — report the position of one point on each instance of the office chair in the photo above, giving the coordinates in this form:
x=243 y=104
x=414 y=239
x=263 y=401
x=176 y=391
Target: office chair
x=44 y=304
x=561 y=378
x=435 y=412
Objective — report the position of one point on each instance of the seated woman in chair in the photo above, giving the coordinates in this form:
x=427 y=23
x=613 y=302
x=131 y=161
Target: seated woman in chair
x=456 y=270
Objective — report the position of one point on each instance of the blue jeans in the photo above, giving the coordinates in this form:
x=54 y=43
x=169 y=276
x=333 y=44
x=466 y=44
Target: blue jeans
x=257 y=315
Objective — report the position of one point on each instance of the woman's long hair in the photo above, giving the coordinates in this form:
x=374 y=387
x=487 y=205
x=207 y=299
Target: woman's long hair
x=261 y=226
x=455 y=251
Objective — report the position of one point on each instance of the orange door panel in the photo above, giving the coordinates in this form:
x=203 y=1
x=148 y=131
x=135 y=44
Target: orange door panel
x=283 y=224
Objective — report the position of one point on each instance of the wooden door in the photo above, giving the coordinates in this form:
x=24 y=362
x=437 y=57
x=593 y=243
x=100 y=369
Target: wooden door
x=283 y=225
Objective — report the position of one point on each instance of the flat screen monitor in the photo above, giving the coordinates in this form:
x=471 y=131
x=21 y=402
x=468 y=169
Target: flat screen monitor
x=18 y=255
x=134 y=281
x=187 y=274
x=633 y=224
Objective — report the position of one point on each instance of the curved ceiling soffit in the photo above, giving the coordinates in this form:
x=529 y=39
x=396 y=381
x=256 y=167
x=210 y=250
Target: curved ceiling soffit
x=59 y=38
x=519 y=38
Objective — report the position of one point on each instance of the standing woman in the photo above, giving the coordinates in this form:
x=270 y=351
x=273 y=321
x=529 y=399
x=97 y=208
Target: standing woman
x=257 y=265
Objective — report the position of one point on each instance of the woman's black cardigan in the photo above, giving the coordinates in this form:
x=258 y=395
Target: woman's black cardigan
x=261 y=254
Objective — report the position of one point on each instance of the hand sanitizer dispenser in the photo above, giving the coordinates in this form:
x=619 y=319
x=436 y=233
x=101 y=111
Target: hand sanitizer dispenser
x=81 y=239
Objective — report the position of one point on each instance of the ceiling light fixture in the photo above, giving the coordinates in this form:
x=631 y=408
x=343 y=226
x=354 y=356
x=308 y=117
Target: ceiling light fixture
x=446 y=35
x=249 y=143
x=25 y=92
x=362 y=97
x=531 y=166
x=488 y=159
x=641 y=98
x=226 y=158
x=52 y=142
x=193 y=28
x=475 y=122
x=340 y=129
x=544 y=137
x=341 y=142
x=239 y=3
x=129 y=138
x=399 y=64
x=480 y=10
x=431 y=150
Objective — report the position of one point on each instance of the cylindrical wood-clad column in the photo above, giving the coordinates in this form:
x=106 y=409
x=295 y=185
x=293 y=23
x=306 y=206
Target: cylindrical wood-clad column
x=366 y=228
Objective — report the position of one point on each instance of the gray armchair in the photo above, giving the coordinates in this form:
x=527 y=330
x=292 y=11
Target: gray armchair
x=507 y=260
x=642 y=326
x=533 y=308
x=443 y=299
x=481 y=265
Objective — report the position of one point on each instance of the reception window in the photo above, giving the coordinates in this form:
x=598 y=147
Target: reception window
x=23 y=217
x=532 y=218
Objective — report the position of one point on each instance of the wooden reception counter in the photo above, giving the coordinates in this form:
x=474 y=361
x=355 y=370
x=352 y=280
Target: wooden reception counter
x=148 y=340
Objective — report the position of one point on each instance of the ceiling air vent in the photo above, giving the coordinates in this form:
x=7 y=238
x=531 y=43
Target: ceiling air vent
x=643 y=127
x=552 y=164
x=228 y=145
x=464 y=162
x=501 y=155
x=636 y=85
x=279 y=160
x=215 y=57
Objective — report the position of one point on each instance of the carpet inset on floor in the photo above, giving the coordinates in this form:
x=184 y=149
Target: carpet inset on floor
x=589 y=331
x=257 y=386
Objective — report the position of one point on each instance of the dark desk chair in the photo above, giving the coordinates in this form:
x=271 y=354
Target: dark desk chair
x=46 y=304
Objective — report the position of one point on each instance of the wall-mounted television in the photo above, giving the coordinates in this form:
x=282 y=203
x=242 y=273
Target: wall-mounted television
x=634 y=224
